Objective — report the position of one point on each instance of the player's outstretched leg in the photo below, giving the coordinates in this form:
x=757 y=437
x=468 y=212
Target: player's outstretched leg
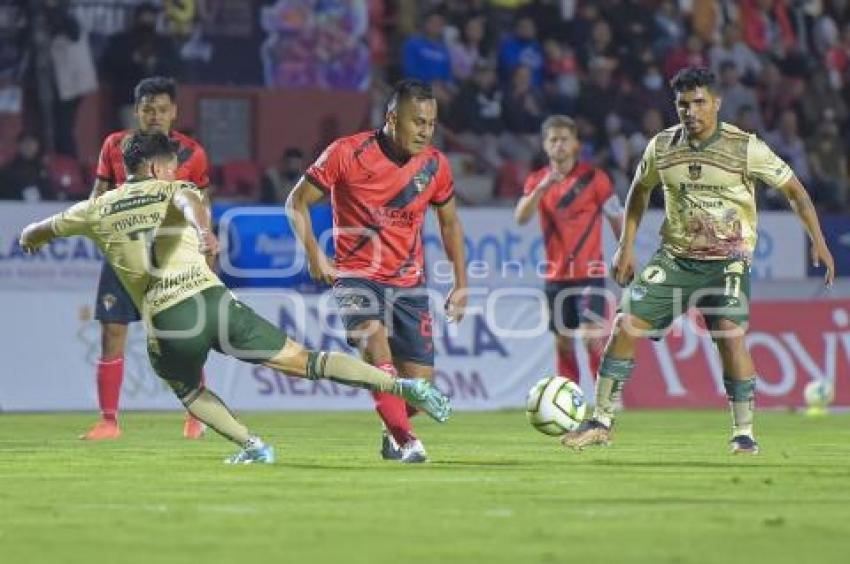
x=338 y=367
x=208 y=408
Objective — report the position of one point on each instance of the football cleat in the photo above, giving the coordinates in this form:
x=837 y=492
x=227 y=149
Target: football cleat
x=103 y=430
x=413 y=452
x=423 y=395
x=193 y=428
x=389 y=448
x=255 y=455
x=589 y=433
x=744 y=444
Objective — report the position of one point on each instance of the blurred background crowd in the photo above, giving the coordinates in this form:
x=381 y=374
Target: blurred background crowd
x=499 y=67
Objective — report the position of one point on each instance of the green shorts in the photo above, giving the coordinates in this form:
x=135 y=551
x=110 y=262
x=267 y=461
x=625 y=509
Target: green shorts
x=182 y=335
x=668 y=286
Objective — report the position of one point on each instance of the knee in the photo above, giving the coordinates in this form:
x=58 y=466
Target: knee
x=564 y=343
x=291 y=359
x=113 y=337
x=629 y=327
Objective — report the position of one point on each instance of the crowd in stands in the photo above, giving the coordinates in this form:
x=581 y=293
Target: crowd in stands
x=502 y=67
x=499 y=67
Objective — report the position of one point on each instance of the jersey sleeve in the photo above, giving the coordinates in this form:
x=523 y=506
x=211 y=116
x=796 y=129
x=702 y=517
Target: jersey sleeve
x=328 y=170
x=647 y=171
x=603 y=188
x=531 y=182
x=104 y=170
x=73 y=221
x=445 y=189
x=764 y=165
x=199 y=167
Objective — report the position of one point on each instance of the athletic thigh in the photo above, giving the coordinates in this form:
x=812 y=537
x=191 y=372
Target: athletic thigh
x=411 y=332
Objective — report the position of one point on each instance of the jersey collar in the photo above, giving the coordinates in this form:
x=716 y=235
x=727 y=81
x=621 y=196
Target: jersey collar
x=701 y=146
x=389 y=150
x=132 y=179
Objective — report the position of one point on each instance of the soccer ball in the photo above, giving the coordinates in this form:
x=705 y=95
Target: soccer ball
x=819 y=393
x=555 y=406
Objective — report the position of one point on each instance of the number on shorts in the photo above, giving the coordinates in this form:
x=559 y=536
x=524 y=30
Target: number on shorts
x=733 y=286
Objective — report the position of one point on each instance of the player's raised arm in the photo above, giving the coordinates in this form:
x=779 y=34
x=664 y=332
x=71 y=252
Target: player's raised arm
x=36 y=234
x=451 y=233
x=191 y=203
x=527 y=205
x=802 y=205
x=304 y=195
x=72 y=221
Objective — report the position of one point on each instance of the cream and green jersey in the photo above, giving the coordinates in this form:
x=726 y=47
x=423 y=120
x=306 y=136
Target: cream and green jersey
x=146 y=239
x=709 y=190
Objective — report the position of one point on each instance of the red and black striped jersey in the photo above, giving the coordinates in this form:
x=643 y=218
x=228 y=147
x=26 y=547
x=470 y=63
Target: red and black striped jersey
x=571 y=219
x=379 y=203
x=193 y=166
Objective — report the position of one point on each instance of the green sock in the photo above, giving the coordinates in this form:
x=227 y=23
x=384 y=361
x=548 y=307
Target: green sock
x=346 y=369
x=613 y=375
x=741 y=396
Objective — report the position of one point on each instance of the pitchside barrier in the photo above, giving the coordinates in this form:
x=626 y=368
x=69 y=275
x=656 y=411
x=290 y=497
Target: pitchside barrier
x=50 y=341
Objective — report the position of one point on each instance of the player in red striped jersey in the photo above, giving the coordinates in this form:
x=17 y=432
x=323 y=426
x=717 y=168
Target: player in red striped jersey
x=381 y=184
x=156 y=110
x=571 y=198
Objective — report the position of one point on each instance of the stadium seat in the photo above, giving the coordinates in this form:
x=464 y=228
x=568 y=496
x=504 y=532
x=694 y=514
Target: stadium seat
x=240 y=181
x=67 y=177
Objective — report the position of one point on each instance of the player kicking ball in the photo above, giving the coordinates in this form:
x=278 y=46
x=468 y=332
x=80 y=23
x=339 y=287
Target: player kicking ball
x=155 y=232
x=709 y=172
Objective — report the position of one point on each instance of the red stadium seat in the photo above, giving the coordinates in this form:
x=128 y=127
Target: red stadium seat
x=67 y=177
x=240 y=180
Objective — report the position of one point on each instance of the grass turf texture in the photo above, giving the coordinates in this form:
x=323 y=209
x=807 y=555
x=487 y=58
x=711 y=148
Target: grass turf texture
x=495 y=491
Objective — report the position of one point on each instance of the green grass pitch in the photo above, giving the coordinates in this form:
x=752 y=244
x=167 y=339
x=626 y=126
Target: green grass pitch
x=496 y=491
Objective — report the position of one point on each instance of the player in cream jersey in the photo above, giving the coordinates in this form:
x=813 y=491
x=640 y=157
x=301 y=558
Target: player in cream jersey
x=709 y=172
x=709 y=190
x=147 y=239
x=155 y=233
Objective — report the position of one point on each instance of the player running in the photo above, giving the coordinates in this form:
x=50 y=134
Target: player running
x=155 y=232
x=156 y=110
x=572 y=198
x=708 y=171
x=381 y=184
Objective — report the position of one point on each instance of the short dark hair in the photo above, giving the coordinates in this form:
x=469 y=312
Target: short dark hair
x=409 y=89
x=139 y=147
x=691 y=78
x=558 y=121
x=154 y=86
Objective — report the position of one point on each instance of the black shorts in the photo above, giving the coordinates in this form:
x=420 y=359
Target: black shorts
x=405 y=312
x=113 y=303
x=575 y=302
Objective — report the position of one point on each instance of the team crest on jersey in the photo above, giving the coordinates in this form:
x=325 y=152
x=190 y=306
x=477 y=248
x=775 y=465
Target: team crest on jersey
x=109 y=301
x=694 y=171
x=421 y=180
